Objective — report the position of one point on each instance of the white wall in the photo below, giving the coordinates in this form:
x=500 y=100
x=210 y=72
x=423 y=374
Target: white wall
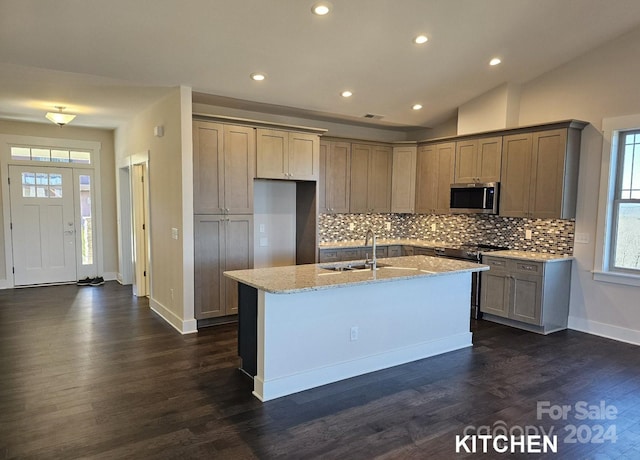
x=169 y=156
x=600 y=84
x=495 y=109
x=274 y=208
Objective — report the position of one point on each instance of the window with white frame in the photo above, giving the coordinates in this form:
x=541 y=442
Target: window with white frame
x=625 y=235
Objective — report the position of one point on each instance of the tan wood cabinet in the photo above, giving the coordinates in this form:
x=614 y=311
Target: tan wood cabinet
x=334 y=179
x=287 y=155
x=223 y=168
x=530 y=295
x=221 y=243
x=434 y=176
x=370 y=178
x=478 y=160
x=540 y=173
x=403 y=180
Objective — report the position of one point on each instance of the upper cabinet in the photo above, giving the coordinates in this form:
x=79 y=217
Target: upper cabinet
x=540 y=173
x=370 y=177
x=478 y=160
x=403 y=181
x=434 y=176
x=287 y=155
x=223 y=168
x=334 y=181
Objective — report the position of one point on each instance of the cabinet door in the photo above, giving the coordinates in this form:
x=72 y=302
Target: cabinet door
x=489 y=159
x=403 y=180
x=208 y=266
x=526 y=299
x=351 y=254
x=379 y=181
x=208 y=168
x=304 y=153
x=359 y=178
x=323 y=207
x=516 y=175
x=426 y=179
x=329 y=255
x=494 y=293
x=338 y=168
x=272 y=158
x=395 y=251
x=446 y=160
x=239 y=169
x=547 y=174
x=466 y=156
x=238 y=256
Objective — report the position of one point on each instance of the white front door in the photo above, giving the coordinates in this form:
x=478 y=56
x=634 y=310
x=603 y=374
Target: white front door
x=42 y=223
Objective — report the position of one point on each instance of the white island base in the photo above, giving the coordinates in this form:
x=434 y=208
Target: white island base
x=310 y=338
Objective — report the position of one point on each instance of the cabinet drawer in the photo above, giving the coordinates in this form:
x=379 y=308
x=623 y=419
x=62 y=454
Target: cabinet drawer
x=351 y=254
x=407 y=250
x=395 y=251
x=424 y=251
x=534 y=268
x=495 y=263
x=329 y=255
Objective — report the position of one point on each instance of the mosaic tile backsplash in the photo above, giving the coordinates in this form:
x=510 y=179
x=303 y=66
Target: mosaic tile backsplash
x=553 y=236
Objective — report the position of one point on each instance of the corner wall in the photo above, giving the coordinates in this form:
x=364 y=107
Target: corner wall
x=168 y=283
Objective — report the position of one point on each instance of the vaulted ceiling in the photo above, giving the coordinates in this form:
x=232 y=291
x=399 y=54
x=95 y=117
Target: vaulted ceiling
x=106 y=60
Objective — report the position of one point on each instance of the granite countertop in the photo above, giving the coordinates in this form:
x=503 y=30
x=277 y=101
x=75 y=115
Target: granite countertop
x=386 y=242
x=298 y=278
x=529 y=256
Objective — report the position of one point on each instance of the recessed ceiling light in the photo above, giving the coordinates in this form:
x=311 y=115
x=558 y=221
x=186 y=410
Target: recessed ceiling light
x=420 y=39
x=416 y=106
x=495 y=61
x=258 y=76
x=346 y=93
x=321 y=8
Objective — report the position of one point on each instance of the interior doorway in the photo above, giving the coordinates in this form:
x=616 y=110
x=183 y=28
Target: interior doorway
x=140 y=214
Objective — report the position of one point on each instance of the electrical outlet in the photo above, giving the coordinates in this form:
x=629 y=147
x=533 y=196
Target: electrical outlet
x=527 y=234
x=352 y=226
x=582 y=238
x=354 y=333
x=171 y=291
x=433 y=227
x=264 y=241
x=174 y=233
x=388 y=225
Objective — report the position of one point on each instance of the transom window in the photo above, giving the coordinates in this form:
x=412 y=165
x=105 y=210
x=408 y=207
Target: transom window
x=41 y=185
x=50 y=155
x=625 y=247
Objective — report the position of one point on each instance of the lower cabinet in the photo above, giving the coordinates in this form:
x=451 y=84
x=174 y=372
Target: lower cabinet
x=222 y=242
x=530 y=295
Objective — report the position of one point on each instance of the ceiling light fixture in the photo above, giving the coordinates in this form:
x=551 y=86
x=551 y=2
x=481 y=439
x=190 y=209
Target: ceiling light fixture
x=346 y=93
x=58 y=117
x=495 y=61
x=416 y=106
x=258 y=76
x=420 y=39
x=321 y=8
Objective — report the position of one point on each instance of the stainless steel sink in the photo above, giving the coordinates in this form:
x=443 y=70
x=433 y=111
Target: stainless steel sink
x=350 y=266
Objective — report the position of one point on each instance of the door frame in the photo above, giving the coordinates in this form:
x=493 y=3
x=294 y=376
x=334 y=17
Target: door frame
x=6 y=142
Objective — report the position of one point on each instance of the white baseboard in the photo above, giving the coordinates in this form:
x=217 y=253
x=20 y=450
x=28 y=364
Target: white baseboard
x=609 y=331
x=275 y=388
x=183 y=327
x=110 y=276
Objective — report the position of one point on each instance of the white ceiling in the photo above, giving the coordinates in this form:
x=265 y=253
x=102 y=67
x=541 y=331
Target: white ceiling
x=106 y=60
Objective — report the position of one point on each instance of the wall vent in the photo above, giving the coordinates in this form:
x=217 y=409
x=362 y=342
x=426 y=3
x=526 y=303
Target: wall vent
x=372 y=116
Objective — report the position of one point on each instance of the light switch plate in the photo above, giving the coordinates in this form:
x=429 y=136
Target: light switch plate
x=388 y=225
x=174 y=233
x=352 y=226
x=527 y=234
x=582 y=238
x=262 y=228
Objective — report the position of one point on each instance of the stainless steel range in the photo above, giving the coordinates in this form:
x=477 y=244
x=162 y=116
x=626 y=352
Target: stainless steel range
x=472 y=253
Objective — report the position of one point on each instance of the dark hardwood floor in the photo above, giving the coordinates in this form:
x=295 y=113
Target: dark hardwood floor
x=91 y=372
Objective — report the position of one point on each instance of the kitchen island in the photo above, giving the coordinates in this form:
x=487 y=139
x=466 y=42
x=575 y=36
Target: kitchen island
x=308 y=325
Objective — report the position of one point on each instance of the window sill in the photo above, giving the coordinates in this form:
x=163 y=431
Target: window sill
x=617 y=278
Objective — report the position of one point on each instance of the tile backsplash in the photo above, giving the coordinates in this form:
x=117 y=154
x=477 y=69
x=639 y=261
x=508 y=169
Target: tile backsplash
x=547 y=235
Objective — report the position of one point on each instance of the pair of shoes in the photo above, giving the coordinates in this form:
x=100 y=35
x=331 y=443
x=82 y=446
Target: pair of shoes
x=97 y=281
x=85 y=282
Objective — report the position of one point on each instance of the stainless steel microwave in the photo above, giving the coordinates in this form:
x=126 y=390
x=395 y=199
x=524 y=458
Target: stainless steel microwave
x=475 y=198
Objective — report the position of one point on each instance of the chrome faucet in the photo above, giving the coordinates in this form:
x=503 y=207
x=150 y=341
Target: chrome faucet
x=366 y=243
